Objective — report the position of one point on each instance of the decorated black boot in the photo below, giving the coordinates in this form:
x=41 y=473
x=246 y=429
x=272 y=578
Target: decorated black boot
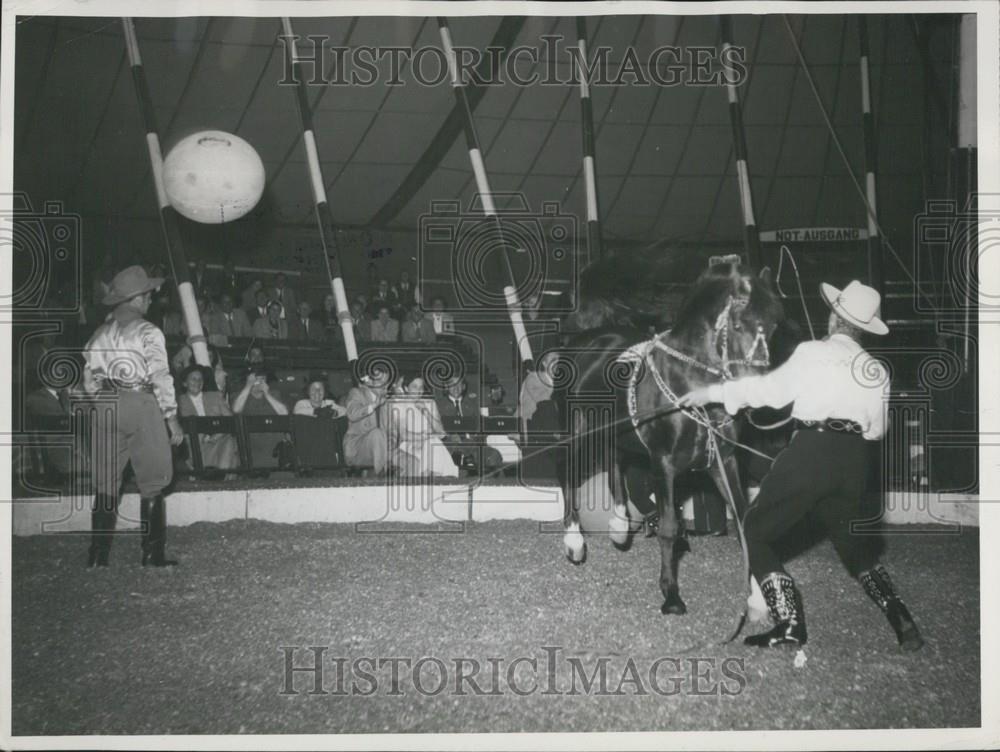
x=877 y=584
x=785 y=604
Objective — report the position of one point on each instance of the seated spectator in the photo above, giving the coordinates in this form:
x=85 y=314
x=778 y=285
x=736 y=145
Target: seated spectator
x=303 y=327
x=536 y=388
x=443 y=322
x=415 y=433
x=406 y=290
x=217 y=450
x=200 y=279
x=362 y=324
x=316 y=403
x=256 y=398
x=255 y=360
x=417 y=327
x=249 y=298
x=163 y=313
x=271 y=326
x=385 y=328
x=365 y=444
x=284 y=295
x=228 y=322
x=456 y=402
x=384 y=295
x=258 y=309
x=40 y=407
x=184 y=357
x=330 y=320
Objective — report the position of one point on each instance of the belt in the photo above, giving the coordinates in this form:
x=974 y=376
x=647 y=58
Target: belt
x=837 y=425
x=117 y=387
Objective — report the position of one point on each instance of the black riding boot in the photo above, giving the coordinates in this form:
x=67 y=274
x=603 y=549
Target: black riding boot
x=155 y=542
x=103 y=519
x=785 y=604
x=145 y=527
x=877 y=584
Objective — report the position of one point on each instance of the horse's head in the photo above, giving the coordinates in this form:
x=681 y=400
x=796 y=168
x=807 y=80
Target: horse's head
x=740 y=309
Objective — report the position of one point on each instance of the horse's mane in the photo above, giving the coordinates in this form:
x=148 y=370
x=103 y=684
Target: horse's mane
x=711 y=291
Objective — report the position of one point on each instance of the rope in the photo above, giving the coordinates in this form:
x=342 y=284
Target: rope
x=843 y=155
x=798 y=281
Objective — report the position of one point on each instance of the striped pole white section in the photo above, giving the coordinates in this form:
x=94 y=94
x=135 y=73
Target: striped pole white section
x=168 y=215
x=876 y=273
x=485 y=193
x=324 y=218
x=595 y=242
x=751 y=237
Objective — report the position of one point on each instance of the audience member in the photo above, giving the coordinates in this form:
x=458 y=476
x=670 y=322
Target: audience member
x=362 y=324
x=229 y=281
x=442 y=322
x=414 y=435
x=316 y=403
x=163 y=313
x=417 y=327
x=329 y=320
x=284 y=295
x=42 y=406
x=217 y=450
x=384 y=295
x=456 y=402
x=250 y=299
x=272 y=326
x=384 y=328
x=303 y=327
x=256 y=399
x=200 y=279
x=259 y=308
x=227 y=321
x=365 y=443
x=406 y=290
x=537 y=388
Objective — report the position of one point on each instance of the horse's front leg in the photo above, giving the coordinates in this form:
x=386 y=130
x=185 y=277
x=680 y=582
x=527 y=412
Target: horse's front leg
x=573 y=541
x=666 y=533
x=618 y=524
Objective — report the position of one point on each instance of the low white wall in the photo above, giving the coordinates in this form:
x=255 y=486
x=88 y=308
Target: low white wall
x=401 y=504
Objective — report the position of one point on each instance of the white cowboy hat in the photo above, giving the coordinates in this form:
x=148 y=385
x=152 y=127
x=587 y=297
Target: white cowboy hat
x=857 y=304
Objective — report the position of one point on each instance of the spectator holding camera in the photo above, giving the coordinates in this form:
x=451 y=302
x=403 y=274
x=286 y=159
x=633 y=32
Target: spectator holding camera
x=256 y=398
x=316 y=403
x=272 y=326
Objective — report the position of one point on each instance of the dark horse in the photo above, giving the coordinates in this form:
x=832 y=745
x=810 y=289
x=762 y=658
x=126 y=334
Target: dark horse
x=720 y=332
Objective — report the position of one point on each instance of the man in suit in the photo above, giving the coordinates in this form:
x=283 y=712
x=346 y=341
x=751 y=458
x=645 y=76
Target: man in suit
x=416 y=327
x=304 y=328
x=228 y=321
x=259 y=308
x=250 y=295
x=284 y=295
x=41 y=408
x=271 y=326
x=442 y=322
x=457 y=402
x=384 y=295
x=385 y=328
x=362 y=324
x=365 y=442
x=200 y=279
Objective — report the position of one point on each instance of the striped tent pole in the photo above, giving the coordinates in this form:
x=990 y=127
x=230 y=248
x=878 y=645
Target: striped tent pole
x=324 y=218
x=595 y=243
x=486 y=195
x=875 y=262
x=751 y=237
x=168 y=215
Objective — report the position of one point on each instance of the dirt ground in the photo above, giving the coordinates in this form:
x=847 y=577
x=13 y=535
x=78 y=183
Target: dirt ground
x=203 y=648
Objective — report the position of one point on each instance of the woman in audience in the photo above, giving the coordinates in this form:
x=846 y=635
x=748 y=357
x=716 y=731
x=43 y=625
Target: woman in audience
x=256 y=399
x=217 y=450
x=316 y=403
x=415 y=433
x=385 y=328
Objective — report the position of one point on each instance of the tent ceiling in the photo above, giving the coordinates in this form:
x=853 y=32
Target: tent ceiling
x=664 y=154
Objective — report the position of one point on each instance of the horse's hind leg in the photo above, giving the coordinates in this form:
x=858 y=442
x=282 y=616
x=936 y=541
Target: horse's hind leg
x=618 y=524
x=666 y=533
x=573 y=541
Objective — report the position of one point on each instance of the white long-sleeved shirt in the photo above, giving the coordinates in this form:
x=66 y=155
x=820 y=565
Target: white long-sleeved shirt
x=830 y=378
x=133 y=355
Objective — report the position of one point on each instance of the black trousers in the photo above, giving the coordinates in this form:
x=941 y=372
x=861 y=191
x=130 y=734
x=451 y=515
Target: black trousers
x=819 y=470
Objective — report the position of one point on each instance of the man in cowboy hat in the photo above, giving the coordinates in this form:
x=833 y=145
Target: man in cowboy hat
x=838 y=394
x=127 y=355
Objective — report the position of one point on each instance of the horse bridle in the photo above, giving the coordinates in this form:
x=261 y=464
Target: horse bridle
x=721 y=335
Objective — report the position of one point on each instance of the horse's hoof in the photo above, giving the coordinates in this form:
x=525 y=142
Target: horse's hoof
x=673 y=605
x=623 y=546
x=578 y=561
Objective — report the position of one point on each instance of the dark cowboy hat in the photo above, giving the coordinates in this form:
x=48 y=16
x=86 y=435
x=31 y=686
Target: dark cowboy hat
x=130 y=282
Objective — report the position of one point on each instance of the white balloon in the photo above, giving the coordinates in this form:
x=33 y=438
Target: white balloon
x=213 y=177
